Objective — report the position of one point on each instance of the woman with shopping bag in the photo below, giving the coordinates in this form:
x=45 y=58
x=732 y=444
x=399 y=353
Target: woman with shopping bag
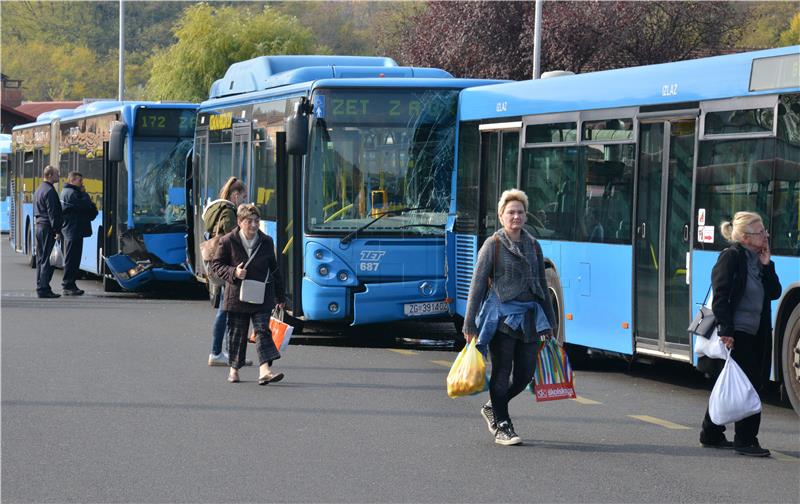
x=509 y=310
x=744 y=283
x=246 y=261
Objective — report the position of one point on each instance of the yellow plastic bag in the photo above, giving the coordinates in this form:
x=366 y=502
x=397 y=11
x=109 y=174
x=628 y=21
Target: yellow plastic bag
x=468 y=374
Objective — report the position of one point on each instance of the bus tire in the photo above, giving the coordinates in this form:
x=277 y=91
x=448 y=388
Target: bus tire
x=557 y=301
x=29 y=248
x=458 y=340
x=790 y=354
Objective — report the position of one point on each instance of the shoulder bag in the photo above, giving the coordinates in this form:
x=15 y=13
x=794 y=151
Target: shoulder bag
x=208 y=247
x=704 y=322
x=252 y=291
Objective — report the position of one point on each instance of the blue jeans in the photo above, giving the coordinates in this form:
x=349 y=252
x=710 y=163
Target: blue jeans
x=218 y=329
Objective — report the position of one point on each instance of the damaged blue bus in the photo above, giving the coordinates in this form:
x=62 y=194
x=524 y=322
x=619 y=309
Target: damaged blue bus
x=132 y=156
x=349 y=160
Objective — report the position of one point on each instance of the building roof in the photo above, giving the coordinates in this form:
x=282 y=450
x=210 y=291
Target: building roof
x=33 y=109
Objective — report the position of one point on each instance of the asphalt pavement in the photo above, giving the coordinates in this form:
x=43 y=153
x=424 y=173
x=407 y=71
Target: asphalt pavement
x=108 y=398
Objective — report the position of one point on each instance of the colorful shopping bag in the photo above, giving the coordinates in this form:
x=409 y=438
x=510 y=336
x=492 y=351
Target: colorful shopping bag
x=281 y=333
x=553 y=378
x=467 y=375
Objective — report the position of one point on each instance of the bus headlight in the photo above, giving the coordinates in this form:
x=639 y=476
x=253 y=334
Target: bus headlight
x=343 y=276
x=318 y=254
x=333 y=307
x=323 y=270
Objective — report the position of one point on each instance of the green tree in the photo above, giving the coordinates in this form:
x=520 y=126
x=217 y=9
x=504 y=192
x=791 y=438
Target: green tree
x=211 y=38
x=63 y=72
x=792 y=35
x=765 y=22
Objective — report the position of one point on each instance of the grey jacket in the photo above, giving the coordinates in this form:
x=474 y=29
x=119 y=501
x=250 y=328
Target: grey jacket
x=514 y=274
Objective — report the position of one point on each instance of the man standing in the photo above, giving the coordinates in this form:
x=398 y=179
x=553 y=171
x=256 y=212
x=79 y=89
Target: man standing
x=47 y=214
x=79 y=212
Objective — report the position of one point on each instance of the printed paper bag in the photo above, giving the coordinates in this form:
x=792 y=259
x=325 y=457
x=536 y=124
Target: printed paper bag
x=553 y=377
x=281 y=333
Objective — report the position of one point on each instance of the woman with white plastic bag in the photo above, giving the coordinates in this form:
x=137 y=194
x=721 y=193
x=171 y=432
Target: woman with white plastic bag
x=743 y=282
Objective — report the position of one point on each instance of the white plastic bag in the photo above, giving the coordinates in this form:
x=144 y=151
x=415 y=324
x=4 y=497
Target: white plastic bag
x=733 y=397
x=710 y=347
x=57 y=256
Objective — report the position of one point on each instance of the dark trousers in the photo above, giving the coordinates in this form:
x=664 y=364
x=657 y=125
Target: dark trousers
x=746 y=354
x=44 y=246
x=236 y=330
x=73 y=249
x=511 y=360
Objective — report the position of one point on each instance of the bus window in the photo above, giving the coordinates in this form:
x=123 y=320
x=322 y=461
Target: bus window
x=468 y=177
x=607 y=180
x=549 y=180
x=785 y=226
x=734 y=175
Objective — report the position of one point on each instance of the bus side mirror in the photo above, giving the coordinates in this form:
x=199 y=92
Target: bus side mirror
x=116 y=142
x=297 y=130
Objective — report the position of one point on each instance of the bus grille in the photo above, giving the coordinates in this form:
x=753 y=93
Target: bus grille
x=465 y=264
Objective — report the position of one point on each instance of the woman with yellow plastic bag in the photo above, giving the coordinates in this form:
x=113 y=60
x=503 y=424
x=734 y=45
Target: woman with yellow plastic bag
x=468 y=374
x=509 y=311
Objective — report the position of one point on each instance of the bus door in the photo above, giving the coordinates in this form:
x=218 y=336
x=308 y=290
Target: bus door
x=288 y=178
x=498 y=172
x=662 y=304
x=241 y=154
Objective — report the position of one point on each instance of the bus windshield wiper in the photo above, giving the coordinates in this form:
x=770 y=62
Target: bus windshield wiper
x=349 y=236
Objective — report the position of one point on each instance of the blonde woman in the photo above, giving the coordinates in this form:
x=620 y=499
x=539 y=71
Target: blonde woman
x=744 y=282
x=512 y=315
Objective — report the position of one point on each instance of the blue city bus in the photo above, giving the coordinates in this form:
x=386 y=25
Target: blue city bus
x=133 y=159
x=629 y=174
x=5 y=183
x=355 y=195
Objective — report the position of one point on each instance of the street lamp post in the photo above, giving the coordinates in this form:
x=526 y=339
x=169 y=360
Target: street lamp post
x=537 y=41
x=121 y=86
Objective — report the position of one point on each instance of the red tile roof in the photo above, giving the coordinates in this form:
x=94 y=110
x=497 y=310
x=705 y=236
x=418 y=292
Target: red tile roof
x=35 y=108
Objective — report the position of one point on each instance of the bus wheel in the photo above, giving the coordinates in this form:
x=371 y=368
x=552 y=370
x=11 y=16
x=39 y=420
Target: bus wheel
x=29 y=246
x=557 y=300
x=458 y=340
x=791 y=358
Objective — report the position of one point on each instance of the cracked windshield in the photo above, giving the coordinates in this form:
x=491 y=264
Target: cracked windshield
x=164 y=138
x=381 y=152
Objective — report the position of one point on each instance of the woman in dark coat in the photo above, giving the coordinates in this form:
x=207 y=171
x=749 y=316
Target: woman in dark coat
x=744 y=283
x=247 y=253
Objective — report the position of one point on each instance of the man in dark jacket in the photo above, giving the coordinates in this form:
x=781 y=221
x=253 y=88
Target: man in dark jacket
x=79 y=212
x=47 y=214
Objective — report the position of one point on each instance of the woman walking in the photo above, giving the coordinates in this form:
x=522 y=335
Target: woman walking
x=219 y=218
x=744 y=282
x=248 y=254
x=509 y=309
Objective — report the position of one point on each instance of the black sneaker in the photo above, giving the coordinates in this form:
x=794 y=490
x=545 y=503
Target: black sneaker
x=488 y=414
x=72 y=292
x=754 y=450
x=48 y=295
x=505 y=435
x=716 y=443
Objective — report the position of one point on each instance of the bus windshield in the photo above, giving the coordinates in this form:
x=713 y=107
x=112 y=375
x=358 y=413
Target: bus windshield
x=378 y=152
x=158 y=183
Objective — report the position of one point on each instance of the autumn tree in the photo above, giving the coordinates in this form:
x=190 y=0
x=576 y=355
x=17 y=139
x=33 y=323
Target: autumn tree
x=495 y=39
x=211 y=38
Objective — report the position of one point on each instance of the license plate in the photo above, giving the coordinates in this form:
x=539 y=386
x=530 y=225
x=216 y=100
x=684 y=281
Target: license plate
x=429 y=308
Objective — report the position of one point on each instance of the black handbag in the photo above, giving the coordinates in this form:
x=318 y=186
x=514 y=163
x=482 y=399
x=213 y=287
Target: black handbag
x=704 y=322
